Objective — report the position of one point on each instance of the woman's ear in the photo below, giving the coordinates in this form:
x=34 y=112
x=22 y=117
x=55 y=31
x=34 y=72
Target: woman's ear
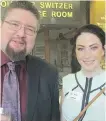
x=104 y=50
x=105 y=47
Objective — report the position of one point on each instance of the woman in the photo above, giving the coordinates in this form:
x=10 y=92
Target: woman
x=81 y=87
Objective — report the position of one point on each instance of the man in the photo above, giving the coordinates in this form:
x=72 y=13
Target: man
x=34 y=97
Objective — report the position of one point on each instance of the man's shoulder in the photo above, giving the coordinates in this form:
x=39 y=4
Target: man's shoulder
x=38 y=62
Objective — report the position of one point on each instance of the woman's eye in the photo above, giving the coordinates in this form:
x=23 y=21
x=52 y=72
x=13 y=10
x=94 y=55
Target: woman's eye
x=94 y=48
x=80 y=49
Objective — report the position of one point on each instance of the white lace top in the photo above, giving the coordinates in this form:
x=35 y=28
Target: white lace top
x=78 y=91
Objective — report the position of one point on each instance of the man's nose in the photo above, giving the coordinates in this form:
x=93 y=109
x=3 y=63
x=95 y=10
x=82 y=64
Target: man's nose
x=21 y=32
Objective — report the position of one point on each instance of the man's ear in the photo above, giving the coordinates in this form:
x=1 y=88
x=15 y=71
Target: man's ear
x=0 y=24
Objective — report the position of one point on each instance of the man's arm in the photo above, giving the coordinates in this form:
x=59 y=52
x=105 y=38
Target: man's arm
x=49 y=75
x=55 y=98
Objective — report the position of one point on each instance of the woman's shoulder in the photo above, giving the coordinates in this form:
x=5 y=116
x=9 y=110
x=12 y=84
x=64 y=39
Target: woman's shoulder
x=69 y=81
x=68 y=78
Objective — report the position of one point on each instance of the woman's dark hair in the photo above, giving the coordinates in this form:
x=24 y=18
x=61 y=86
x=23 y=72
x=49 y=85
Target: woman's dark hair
x=90 y=28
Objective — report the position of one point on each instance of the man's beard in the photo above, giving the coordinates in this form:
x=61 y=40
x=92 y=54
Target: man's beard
x=15 y=56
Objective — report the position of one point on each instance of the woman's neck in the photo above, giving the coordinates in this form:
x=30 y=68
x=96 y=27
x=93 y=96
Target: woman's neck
x=90 y=74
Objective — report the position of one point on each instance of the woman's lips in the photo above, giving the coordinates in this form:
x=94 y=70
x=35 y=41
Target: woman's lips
x=88 y=62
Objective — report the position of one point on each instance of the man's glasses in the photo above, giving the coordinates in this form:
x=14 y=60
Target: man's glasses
x=15 y=26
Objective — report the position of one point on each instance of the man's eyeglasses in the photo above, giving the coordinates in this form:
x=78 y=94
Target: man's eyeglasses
x=15 y=26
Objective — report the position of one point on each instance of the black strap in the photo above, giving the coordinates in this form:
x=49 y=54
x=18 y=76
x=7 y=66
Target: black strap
x=86 y=95
x=78 y=82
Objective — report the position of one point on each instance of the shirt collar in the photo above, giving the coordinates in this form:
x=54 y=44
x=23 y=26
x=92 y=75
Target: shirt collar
x=93 y=74
x=4 y=58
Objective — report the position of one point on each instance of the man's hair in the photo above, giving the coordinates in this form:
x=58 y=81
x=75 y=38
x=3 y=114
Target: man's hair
x=26 y=5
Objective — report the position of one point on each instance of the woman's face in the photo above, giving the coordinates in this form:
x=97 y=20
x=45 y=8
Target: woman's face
x=89 y=51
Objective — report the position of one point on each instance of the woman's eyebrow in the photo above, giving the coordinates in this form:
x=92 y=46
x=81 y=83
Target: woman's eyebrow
x=81 y=45
x=89 y=45
x=93 y=44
